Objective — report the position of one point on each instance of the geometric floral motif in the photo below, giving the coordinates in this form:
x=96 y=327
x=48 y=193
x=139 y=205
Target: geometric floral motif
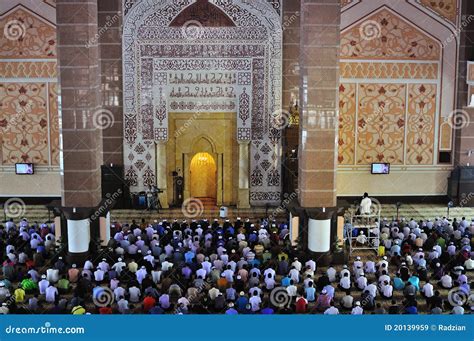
x=24 y=123
x=256 y=178
x=384 y=35
x=265 y=149
x=421 y=123
x=35 y=38
x=381 y=123
x=265 y=164
x=139 y=149
x=244 y=106
x=139 y=165
x=445 y=8
x=347 y=114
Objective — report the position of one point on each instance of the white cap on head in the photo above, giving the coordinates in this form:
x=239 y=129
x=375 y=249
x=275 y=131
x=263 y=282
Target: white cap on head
x=357 y=303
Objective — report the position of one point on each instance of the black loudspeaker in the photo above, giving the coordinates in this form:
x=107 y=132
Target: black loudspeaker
x=178 y=184
x=115 y=186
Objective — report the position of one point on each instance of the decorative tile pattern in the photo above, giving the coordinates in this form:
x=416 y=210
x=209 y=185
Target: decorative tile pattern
x=420 y=124
x=384 y=35
x=347 y=116
x=249 y=54
x=381 y=123
x=28 y=36
x=23 y=69
x=53 y=123
x=446 y=9
x=24 y=123
x=389 y=70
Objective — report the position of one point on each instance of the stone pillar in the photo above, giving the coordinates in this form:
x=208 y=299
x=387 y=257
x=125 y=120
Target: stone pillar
x=82 y=120
x=317 y=157
x=80 y=102
x=244 y=192
x=187 y=177
x=220 y=179
x=110 y=61
x=161 y=181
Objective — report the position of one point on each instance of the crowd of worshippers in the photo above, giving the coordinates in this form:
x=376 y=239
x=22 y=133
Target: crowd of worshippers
x=238 y=267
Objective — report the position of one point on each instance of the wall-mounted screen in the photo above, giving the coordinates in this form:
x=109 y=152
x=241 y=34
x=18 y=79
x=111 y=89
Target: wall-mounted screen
x=380 y=168
x=24 y=168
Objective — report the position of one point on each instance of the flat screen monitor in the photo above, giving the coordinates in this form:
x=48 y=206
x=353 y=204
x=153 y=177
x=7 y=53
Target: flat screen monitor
x=380 y=168
x=24 y=168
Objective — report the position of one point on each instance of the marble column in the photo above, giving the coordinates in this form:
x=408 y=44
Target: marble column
x=317 y=156
x=244 y=192
x=161 y=180
x=220 y=179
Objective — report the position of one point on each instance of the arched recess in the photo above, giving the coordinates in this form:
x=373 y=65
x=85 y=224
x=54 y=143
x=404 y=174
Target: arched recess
x=433 y=26
x=203 y=176
x=420 y=88
x=249 y=52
